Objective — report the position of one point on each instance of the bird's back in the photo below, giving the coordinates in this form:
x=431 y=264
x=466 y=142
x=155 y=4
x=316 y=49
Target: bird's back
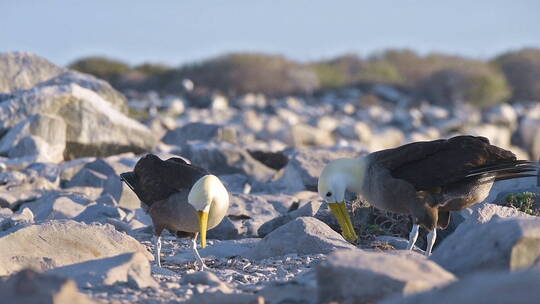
x=155 y=180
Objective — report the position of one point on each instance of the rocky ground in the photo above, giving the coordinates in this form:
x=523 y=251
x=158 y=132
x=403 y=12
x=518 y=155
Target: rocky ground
x=72 y=232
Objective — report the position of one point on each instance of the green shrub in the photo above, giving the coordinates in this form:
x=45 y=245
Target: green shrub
x=242 y=73
x=379 y=71
x=473 y=82
x=101 y=67
x=150 y=69
x=522 y=70
x=524 y=202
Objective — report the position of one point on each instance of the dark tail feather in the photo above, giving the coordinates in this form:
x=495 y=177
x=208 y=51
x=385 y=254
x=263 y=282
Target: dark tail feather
x=511 y=176
x=513 y=167
x=130 y=179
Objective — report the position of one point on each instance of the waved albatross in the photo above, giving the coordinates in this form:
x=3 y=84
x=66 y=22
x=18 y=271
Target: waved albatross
x=178 y=196
x=427 y=180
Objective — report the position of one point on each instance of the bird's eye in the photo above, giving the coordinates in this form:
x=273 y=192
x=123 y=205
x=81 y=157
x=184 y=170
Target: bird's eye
x=328 y=194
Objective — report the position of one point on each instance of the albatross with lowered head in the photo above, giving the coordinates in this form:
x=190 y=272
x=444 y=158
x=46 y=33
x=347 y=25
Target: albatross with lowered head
x=427 y=180
x=178 y=196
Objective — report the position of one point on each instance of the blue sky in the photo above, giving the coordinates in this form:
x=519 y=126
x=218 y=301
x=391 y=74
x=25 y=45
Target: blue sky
x=179 y=31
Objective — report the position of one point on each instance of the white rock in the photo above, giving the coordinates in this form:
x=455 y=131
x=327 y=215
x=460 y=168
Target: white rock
x=49 y=128
x=308 y=209
x=94 y=126
x=30 y=287
x=483 y=288
x=23 y=217
x=132 y=268
x=21 y=71
x=356 y=276
x=500 y=244
x=304 y=235
x=206 y=278
x=305 y=165
x=58 y=243
x=497 y=135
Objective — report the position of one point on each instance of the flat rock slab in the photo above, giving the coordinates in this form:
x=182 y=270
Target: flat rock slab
x=132 y=268
x=500 y=244
x=309 y=209
x=485 y=288
x=59 y=243
x=30 y=287
x=223 y=249
x=304 y=235
x=357 y=276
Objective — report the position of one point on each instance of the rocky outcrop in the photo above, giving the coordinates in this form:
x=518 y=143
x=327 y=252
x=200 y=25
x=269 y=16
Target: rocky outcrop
x=22 y=71
x=500 y=244
x=130 y=268
x=30 y=287
x=355 y=276
x=94 y=125
x=58 y=243
x=304 y=235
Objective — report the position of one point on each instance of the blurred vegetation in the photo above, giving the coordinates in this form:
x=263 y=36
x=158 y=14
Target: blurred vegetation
x=524 y=202
x=101 y=67
x=438 y=78
x=522 y=70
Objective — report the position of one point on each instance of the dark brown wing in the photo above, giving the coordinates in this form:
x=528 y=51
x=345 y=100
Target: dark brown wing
x=154 y=179
x=428 y=165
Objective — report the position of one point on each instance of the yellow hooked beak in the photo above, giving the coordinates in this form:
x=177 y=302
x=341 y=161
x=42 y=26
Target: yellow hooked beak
x=203 y=222
x=340 y=212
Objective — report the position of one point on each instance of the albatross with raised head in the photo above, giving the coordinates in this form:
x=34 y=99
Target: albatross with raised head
x=178 y=196
x=427 y=180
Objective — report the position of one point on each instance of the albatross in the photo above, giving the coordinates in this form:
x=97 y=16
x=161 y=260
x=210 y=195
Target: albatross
x=426 y=180
x=180 y=197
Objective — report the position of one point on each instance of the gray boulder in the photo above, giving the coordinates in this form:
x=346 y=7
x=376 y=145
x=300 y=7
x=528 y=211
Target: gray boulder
x=238 y=183
x=248 y=212
x=483 y=288
x=309 y=209
x=305 y=165
x=58 y=243
x=57 y=205
x=13 y=195
x=103 y=88
x=199 y=131
x=356 y=276
x=22 y=217
x=132 y=268
x=529 y=130
x=208 y=279
x=500 y=244
x=223 y=158
x=50 y=129
x=226 y=230
x=87 y=178
x=94 y=126
x=104 y=174
x=304 y=235
x=30 y=287
x=483 y=213
x=305 y=135
x=22 y=71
